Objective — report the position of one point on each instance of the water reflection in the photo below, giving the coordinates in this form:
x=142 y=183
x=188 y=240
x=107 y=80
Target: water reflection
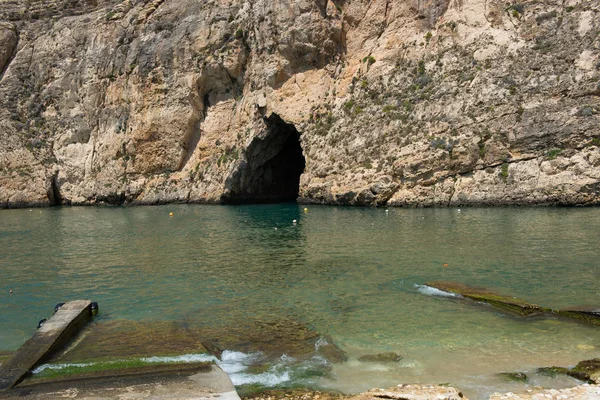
x=347 y=272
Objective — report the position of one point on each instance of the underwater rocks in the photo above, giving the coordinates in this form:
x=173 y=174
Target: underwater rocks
x=552 y=372
x=586 y=371
x=514 y=376
x=515 y=306
x=503 y=303
x=381 y=357
x=130 y=339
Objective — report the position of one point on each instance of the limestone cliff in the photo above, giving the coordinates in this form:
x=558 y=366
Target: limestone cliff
x=370 y=102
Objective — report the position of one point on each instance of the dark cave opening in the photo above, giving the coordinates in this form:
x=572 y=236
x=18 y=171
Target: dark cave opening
x=273 y=167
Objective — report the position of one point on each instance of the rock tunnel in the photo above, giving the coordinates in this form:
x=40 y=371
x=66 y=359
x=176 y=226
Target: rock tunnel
x=274 y=163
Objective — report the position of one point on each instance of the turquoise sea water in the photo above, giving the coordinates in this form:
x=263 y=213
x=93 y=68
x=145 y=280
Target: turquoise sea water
x=353 y=273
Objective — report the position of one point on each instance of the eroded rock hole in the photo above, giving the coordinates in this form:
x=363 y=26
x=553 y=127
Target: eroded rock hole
x=273 y=168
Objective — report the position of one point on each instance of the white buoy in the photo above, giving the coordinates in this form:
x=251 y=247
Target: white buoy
x=294 y=221
x=275 y=228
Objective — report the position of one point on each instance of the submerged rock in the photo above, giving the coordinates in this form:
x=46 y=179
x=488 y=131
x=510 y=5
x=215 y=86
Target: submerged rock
x=328 y=350
x=381 y=357
x=588 y=314
x=514 y=376
x=130 y=339
x=501 y=302
x=552 y=371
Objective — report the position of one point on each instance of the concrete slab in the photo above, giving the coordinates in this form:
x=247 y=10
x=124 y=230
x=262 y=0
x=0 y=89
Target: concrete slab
x=168 y=382
x=54 y=334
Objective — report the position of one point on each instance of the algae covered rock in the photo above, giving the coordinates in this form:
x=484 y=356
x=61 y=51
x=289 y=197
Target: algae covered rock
x=514 y=376
x=587 y=370
x=501 y=302
x=387 y=357
x=588 y=314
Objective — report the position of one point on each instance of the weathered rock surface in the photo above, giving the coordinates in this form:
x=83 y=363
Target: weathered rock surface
x=405 y=103
x=413 y=392
x=584 y=392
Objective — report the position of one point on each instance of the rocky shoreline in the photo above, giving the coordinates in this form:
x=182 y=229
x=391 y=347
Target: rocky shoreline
x=429 y=392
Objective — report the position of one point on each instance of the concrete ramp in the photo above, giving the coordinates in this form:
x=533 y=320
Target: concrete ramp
x=54 y=334
x=203 y=381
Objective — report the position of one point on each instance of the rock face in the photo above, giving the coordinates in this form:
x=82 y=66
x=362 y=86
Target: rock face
x=365 y=102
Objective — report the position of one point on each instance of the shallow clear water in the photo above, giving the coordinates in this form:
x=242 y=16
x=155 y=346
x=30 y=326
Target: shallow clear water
x=352 y=273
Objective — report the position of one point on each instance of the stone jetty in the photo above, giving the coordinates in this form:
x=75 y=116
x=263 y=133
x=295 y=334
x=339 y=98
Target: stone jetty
x=52 y=335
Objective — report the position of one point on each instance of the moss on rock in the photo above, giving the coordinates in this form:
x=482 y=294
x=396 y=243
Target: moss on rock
x=514 y=376
x=590 y=315
x=587 y=370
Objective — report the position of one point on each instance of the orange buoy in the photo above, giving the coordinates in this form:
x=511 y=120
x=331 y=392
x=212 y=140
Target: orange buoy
x=445 y=265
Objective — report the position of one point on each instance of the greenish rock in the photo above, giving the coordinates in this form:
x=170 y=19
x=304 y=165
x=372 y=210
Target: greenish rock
x=552 y=372
x=587 y=370
x=381 y=357
x=587 y=314
x=514 y=376
x=501 y=302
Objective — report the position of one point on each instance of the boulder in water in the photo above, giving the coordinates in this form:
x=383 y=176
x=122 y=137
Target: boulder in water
x=587 y=370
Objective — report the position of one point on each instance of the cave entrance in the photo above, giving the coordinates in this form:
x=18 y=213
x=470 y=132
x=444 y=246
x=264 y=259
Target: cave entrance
x=273 y=167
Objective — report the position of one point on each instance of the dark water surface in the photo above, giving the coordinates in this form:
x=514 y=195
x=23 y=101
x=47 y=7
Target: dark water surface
x=352 y=273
